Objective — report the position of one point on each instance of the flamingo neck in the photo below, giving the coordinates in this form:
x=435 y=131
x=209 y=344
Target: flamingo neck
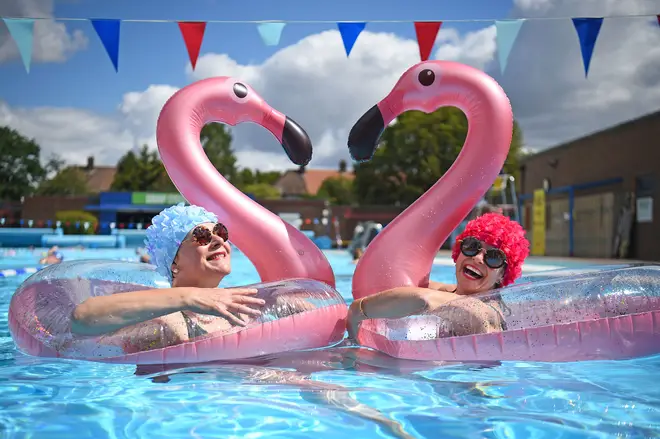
x=403 y=253
x=277 y=250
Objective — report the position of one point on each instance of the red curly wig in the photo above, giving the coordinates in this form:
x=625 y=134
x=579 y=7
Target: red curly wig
x=498 y=231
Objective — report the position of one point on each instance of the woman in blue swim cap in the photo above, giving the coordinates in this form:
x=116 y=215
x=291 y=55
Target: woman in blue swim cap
x=191 y=249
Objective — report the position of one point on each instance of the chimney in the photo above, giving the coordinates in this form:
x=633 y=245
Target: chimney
x=90 y=163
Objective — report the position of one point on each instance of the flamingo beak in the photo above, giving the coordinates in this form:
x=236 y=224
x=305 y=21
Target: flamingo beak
x=296 y=143
x=363 y=138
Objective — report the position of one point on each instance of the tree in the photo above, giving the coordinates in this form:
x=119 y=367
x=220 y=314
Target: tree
x=246 y=177
x=268 y=177
x=414 y=153
x=262 y=191
x=216 y=142
x=143 y=171
x=337 y=190
x=20 y=168
x=342 y=166
x=68 y=181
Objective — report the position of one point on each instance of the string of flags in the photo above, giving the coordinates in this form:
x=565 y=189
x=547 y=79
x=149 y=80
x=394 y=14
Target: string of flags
x=109 y=31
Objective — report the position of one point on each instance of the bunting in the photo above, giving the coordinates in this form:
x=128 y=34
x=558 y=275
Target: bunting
x=193 y=35
x=22 y=32
x=426 y=31
x=349 y=34
x=506 y=33
x=108 y=32
x=587 y=30
x=271 y=32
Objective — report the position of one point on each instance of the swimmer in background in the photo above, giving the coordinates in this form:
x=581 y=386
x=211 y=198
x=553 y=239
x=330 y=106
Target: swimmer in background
x=54 y=256
x=190 y=247
x=357 y=254
x=488 y=254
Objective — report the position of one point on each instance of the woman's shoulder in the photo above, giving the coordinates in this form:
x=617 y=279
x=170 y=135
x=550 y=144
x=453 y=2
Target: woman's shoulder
x=439 y=286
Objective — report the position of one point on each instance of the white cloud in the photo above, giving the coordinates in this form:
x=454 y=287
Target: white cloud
x=545 y=80
x=314 y=83
x=71 y=133
x=52 y=41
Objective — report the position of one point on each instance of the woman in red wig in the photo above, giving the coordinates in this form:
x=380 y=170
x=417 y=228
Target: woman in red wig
x=489 y=254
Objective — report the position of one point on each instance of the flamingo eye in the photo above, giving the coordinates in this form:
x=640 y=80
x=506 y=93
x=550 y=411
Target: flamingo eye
x=240 y=90
x=426 y=77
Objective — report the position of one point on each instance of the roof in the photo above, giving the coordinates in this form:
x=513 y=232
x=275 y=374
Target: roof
x=309 y=182
x=99 y=178
x=314 y=178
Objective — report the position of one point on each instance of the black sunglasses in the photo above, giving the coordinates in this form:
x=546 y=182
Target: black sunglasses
x=203 y=236
x=494 y=257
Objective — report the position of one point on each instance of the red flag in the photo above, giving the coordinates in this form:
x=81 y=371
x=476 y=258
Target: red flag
x=426 y=32
x=193 y=34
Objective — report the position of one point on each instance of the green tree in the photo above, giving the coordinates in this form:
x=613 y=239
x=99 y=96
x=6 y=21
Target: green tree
x=69 y=218
x=20 y=168
x=268 y=177
x=247 y=176
x=337 y=190
x=141 y=171
x=414 y=153
x=262 y=191
x=216 y=142
x=68 y=181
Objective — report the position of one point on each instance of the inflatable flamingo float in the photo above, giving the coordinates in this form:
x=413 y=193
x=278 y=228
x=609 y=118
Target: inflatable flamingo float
x=600 y=315
x=277 y=249
x=292 y=268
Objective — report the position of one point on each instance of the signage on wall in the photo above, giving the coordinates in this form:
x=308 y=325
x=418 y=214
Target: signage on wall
x=157 y=198
x=645 y=210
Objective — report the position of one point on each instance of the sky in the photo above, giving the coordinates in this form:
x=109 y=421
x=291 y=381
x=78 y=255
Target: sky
x=74 y=104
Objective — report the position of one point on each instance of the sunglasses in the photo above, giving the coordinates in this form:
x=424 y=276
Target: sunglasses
x=203 y=236
x=494 y=257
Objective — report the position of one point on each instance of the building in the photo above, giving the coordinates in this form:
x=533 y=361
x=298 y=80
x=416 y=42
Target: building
x=304 y=182
x=99 y=178
x=600 y=192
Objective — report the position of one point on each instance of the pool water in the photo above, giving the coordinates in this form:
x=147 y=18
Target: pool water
x=325 y=393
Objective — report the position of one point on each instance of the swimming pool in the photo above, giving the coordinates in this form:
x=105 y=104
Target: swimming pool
x=324 y=393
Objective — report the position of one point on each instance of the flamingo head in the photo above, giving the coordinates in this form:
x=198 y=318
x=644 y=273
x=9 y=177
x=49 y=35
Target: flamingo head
x=426 y=86
x=234 y=101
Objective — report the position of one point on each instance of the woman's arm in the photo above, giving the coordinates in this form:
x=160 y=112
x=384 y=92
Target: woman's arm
x=104 y=314
x=395 y=303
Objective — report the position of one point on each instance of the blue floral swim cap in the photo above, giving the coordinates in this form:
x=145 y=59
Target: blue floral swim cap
x=168 y=229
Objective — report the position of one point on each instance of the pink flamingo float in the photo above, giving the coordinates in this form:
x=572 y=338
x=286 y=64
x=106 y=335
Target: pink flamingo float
x=599 y=315
x=287 y=261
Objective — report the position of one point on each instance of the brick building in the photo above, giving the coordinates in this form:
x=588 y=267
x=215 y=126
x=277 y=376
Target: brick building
x=589 y=181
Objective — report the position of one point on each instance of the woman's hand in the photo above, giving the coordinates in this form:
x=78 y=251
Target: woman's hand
x=353 y=320
x=225 y=302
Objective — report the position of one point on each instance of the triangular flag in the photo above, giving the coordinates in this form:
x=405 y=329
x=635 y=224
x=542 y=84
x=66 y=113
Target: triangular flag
x=108 y=32
x=349 y=34
x=507 y=32
x=22 y=31
x=587 y=30
x=426 y=31
x=271 y=33
x=193 y=35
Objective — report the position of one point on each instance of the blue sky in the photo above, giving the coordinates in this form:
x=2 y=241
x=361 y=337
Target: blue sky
x=82 y=107
x=154 y=53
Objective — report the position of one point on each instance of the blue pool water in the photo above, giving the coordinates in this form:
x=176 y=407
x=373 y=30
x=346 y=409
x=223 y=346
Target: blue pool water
x=327 y=393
